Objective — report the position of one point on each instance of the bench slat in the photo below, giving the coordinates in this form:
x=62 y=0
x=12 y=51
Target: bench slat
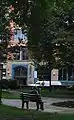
x=30 y=97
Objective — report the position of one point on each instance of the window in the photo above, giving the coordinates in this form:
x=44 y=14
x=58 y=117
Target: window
x=20 y=71
x=20 y=34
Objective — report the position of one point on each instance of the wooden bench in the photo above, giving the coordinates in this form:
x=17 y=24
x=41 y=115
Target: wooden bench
x=29 y=97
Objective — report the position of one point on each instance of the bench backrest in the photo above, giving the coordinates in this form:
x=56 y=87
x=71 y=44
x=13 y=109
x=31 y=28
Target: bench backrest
x=24 y=96
x=30 y=97
x=34 y=97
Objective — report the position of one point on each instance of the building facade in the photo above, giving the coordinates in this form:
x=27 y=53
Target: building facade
x=18 y=66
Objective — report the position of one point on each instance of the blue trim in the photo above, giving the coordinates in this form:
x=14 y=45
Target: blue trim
x=17 y=65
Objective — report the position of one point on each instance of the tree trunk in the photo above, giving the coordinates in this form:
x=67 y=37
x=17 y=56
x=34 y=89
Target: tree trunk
x=0 y=93
x=1 y=67
x=50 y=86
x=50 y=68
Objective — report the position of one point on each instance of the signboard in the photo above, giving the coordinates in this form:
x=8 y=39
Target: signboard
x=35 y=74
x=54 y=74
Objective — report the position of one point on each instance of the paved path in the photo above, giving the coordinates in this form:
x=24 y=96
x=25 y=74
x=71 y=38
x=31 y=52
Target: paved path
x=47 y=105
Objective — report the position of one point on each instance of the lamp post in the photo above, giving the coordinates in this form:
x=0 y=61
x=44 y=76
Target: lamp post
x=1 y=67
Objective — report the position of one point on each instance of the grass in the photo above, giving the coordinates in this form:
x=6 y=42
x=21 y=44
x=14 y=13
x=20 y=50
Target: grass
x=12 y=113
x=58 y=93
x=62 y=93
x=9 y=95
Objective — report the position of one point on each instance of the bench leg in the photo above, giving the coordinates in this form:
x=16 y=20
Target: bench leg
x=22 y=104
x=41 y=106
x=27 y=105
x=37 y=104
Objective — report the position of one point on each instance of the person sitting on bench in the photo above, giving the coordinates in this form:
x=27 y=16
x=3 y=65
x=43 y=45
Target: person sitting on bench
x=39 y=102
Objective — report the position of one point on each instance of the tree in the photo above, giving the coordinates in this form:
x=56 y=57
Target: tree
x=65 y=35
x=40 y=36
x=5 y=17
x=50 y=29
x=4 y=30
x=48 y=22
x=49 y=26
x=51 y=32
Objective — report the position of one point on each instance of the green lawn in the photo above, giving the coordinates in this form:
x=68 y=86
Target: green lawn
x=9 y=95
x=12 y=113
x=62 y=93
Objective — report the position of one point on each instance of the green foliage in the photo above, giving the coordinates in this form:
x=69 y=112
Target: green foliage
x=4 y=31
x=48 y=22
x=19 y=15
x=13 y=84
x=51 y=23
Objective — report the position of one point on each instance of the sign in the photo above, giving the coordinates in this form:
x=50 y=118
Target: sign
x=54 y=74
x=35 y=74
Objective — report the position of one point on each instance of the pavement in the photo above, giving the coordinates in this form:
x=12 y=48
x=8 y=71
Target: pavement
x=47 y=105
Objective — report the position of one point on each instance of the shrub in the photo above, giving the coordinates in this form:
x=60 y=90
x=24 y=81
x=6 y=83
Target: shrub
x=4 y=84
x=13 y=84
